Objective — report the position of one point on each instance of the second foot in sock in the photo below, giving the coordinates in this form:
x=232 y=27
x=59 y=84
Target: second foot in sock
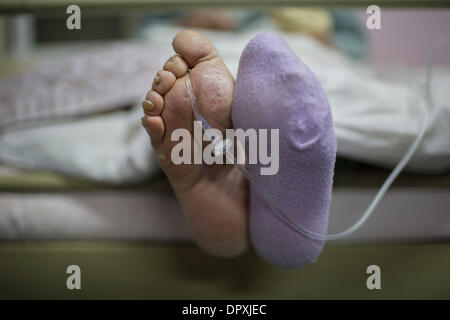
x=214 y=198
x=275 y=90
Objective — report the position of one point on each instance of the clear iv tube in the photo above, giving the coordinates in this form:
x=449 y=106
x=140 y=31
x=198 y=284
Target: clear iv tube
x=381 y=192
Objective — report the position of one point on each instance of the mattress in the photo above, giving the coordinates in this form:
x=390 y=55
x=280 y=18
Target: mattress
x=37 y=205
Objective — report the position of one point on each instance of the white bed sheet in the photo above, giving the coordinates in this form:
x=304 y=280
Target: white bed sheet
x=405 y=214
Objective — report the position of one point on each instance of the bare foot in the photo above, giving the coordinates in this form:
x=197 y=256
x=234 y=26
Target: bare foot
x=214 y=198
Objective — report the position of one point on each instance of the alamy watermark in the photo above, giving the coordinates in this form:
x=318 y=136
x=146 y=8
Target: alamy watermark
x=256 y=143
x=374 y=280
x=374 y=19
x=74 y=280
x=73 y=22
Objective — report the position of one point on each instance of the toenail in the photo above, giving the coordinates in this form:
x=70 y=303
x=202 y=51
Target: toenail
x=148 y=105
x=157 y=80
x=144 y=124
x=173 y=57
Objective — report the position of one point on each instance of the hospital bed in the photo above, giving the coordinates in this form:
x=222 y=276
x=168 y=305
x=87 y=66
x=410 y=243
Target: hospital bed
x=49 y=221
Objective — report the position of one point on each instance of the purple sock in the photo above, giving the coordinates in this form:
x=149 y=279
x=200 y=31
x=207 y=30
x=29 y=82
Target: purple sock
x=276 y=90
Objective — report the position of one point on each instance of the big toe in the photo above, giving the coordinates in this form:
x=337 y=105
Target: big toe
x=212 y=83
x=193 y=47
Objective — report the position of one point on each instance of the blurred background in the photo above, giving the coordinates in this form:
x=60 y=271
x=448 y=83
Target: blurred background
x=79 y=183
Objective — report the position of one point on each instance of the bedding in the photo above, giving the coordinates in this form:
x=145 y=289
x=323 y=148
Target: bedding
x=153 y=214
x=84 y=82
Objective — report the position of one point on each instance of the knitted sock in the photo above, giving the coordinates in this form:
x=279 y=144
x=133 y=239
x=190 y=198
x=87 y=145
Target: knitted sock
x=275 y=90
